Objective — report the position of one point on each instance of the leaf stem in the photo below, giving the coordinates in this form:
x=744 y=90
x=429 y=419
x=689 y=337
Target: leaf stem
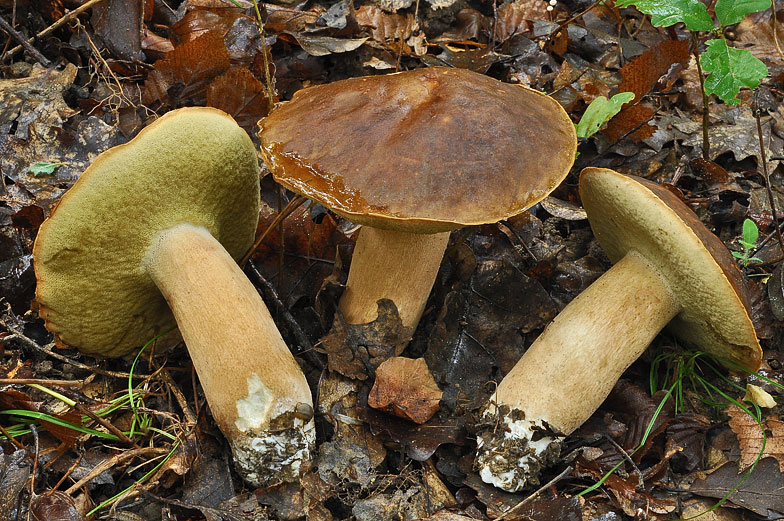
x=705 y=101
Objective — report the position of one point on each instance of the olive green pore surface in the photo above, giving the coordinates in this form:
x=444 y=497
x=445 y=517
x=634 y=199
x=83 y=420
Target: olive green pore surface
x=193 y=165
x=628 y=213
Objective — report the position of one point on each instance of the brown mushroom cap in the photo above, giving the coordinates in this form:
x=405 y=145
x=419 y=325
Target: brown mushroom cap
x=631 y=214
x=425 y=151
x=193 y=165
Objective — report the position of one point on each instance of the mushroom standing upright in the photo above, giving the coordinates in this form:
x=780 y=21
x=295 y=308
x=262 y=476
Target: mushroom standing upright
x=162 y=219
x=669 y=269
x=411 y=156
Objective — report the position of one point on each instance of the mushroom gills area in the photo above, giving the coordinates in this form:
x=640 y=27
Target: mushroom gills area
x=399 y=266
x=571 y=368
x=232 y=338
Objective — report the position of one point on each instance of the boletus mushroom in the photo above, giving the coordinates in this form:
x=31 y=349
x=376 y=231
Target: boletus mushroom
x=161 y=220
x=411 y=156
x=669 y=269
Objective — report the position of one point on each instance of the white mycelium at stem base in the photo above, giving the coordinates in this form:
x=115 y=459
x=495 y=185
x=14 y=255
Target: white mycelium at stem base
x=670 y=270
x=397 y=265
x=571 y=368
x=252 y=383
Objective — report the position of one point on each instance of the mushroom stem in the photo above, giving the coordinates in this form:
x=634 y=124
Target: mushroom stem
x=571 y=368
x=253 y=385
x=399 y=266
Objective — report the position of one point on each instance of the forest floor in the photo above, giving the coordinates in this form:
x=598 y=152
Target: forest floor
x=114 y=439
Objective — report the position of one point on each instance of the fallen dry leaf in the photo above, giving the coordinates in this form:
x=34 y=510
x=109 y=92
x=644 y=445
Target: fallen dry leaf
x=405 y=387
x=238 y=93
x=185 y=73
x=516 y=18
x=642 y=73
x=198 y=22
x=119 y=24
x=750 y=436
x=55 y=506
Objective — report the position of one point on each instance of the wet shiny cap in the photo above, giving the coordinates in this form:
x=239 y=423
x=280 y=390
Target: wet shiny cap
x=424 y=151
x=628 y=213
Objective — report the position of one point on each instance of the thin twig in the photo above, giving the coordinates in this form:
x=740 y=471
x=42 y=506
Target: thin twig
x=775 y=33
x=122 y=457
x=271 y=296
x=536 y=494
x=11 y=438
x=572 y=19
x=767 y=179
x=67 y=473
x=268 y=77
x=39 y=381
x=705 y=102
x=62 y=21
x=104 y=423
x=295 y=203
x=190 y=417
x=29 y=342
x=19 y=37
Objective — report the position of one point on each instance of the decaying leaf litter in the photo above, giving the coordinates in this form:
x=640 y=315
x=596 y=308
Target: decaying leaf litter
x=119 y=65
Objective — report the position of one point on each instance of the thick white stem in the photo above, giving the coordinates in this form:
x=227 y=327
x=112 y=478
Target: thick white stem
x=399 y=266
x=571 y=368
x=256 y=391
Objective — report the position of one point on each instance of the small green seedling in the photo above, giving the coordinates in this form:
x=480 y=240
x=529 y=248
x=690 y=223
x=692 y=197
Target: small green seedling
x=599 y=112
x=728 y=68
x=748 y=241
x=43 y=168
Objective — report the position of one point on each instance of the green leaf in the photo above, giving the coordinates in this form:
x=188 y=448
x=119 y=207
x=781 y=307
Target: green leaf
x=729 y=69
x=737 y=254
x=750 y=232
x=42 y=168
x=665 y=13
x=600 y=111
x=730 y=12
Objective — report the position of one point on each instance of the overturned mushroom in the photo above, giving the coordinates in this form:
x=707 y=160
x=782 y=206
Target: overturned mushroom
x=412 y=156
x=669 y=269
x=162 y=219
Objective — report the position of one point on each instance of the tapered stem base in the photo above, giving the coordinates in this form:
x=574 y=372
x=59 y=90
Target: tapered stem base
x=571 y=368
x=256 y=391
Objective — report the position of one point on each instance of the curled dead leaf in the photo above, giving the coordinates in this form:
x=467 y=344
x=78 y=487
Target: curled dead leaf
x=405 y=388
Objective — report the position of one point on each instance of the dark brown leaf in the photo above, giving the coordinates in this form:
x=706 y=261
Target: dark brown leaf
x=14 y=471
x=55 y=506
x=641 y=74
x=198 y=22
x=418 y=442
x=761 y=492
x=184 y=75
x=238 y=93
x=355 y=350
x=119 y=24
x=515 y=18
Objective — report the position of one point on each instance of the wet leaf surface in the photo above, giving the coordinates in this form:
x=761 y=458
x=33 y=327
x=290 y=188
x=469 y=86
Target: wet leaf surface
x=14 y=471
x=761 y=492
x=56 y=506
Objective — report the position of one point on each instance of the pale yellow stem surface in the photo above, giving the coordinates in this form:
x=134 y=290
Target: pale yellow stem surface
x=400 y=266
x=245 y=368
x=571 y=368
